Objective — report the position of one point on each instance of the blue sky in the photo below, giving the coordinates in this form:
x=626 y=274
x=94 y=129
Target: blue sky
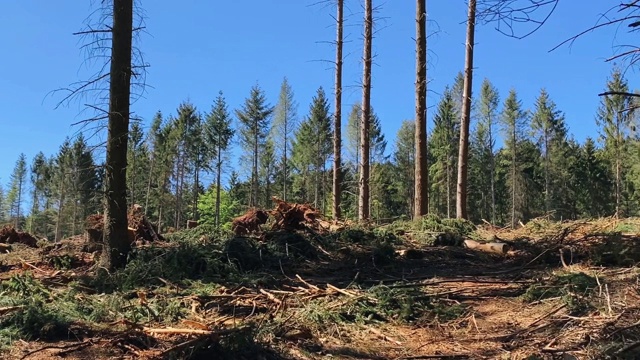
x=201 y=47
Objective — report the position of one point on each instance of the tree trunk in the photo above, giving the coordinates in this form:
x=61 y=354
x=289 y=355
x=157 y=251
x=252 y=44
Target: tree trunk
x=116 y=242
x=513 y=178
x=58 y=231
x=218 y=180
x=253 y=201
x=547 y=180
x=284 y=159
x=337 y=119
x=363 y=205
x=463 y=155
x=148 y=192
x=492 y=170
x=421 y=191
x=196 y=183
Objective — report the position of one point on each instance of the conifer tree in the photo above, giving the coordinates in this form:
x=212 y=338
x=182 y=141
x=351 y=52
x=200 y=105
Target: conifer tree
x=614 y=119
x=514 y=121
x=550 y=131
x=284 y=124
x=443 y=145
x=17 y=188
x=254 y=116
x=404 y=159
x=218 y=134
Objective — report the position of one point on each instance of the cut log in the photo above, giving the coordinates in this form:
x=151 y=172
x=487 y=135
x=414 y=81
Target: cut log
x=5 y=248
x=490 y=247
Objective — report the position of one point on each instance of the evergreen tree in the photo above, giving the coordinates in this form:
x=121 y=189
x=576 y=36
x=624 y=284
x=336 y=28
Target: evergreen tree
x=404 y=159
x=614 y=119
x=39 y=179
x=443 y=146
x=85 y=183
x=514 y=121
x=482 y=163
x=61 y=180
x=311 y=150
x=138 y=164
x=550 y=132
x=254 y=127
x=377 y=144
x=593 y=181
x=218 y=135
x=284 y=125
x=16 y=189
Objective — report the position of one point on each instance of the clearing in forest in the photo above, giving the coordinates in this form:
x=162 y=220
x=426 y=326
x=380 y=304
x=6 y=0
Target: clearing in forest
x=309 y=289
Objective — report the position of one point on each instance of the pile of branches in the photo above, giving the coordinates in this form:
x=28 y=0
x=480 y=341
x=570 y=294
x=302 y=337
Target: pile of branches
x=287 y=216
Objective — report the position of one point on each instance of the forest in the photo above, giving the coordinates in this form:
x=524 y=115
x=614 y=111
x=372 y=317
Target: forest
x=485 y=232
x=548 y=173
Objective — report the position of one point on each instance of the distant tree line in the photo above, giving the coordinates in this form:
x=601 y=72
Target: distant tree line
x=536 y=169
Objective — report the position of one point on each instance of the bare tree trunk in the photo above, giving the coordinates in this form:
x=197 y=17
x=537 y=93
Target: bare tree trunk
x=513 y=179
x=253 y=200
x=218 y=179
x=148 y=192
x=196 y=183
x=337 y=119
x=493 y=184
x=421 y=192
x=463 y=155
x=547 y=180
x=58 y=232
x=116 y=242
x=363 y=205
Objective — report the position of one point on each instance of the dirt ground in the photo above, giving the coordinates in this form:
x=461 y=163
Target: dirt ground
x=563 y=291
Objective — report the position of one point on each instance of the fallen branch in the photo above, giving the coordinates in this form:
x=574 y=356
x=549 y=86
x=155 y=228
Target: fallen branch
x=170 y=330
x=341 y=291
x=10 y=309
x=271 y=296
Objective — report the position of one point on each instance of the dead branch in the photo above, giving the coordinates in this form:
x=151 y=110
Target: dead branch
x=507 y=13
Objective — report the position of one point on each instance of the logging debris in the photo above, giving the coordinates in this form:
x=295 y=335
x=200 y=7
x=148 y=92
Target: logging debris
x=9 y=235
x=139 y=227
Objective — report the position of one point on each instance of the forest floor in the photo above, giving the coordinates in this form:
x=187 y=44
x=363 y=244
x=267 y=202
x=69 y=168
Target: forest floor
x=406 y=290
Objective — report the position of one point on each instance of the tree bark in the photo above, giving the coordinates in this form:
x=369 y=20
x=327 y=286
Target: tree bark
x=337 y=119
x=116 y=243
x=218 y=178
x=463 y=155
x=363 y=205
x=421 y=193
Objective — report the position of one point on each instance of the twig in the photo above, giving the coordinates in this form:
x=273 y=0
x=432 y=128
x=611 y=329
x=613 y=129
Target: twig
x=564 y=264
x=170 y=330
x=341 y=291
x=271 y=296
x=606 y=290
x=383 y=336
x=306 y=283
x=24 y=262
x=547 y=315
